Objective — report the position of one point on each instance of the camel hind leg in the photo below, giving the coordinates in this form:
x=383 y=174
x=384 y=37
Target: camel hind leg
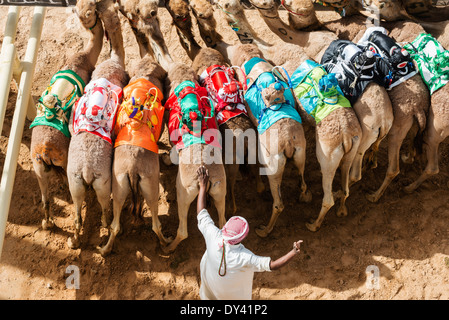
x=43 y=176
x=275 y=169
x=299 y=158
x=120 y=190
x=329 y=163
x=78 y=192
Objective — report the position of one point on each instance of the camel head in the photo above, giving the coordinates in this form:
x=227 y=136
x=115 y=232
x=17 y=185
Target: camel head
x=146 y=10
x=202 y=8
x=416 y=6
x=232 y=6
x=263 y=4
x=86 y=12
x=302 y=8
x=389 y=10
x=180 y=9
x=273 y=94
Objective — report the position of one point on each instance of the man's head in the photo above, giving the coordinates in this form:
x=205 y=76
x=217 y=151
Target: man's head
x=235 y=230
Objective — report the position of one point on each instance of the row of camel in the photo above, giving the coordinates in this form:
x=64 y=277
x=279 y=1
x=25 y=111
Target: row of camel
x=348 y=139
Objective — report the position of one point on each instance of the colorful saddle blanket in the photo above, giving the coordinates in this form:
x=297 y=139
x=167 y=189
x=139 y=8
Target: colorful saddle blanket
x=191 y=118
x=55 y=104
x=95 y=111
x=354 y=68
x=225 y=91
x=318 y=91
x=396 y=63
x=432 y=60
x=260 y=77
x=140 y=116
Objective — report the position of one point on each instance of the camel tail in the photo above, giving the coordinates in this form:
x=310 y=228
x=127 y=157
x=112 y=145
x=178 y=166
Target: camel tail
x=135 y=207
x=348 y=142
x=421 y=119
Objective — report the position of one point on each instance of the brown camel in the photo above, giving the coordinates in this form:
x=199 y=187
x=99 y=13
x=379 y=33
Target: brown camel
x=338 y=140
x=143 y=19
x=437 y=129
x=49 y=146
x=190 y=158
x=136 y=165
x=281 y=140
x=301 y=14
x=180 y=13
x=204 y=14
x=233 y=131
x=90 y=150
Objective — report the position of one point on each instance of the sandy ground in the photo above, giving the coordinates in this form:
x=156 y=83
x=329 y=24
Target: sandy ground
x=403 y=236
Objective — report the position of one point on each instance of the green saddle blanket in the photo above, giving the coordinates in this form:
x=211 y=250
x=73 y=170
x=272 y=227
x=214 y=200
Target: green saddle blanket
x=432 y=60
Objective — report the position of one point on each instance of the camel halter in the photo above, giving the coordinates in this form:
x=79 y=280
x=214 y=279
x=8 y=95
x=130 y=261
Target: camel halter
x=291 y=11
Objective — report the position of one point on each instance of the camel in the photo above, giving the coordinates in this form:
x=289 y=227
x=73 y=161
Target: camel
x=235 y=16
x=233 y=130
x=49 y=145
x=301 y=14
x=143 y=19
x=91 y=123
x=281 y=134
x=180 y=13
x=313 y=43
x=437 y=129
x=410 y=101
x=136 y=164
x=338 y=139
x=204 y=149
x=204 y=14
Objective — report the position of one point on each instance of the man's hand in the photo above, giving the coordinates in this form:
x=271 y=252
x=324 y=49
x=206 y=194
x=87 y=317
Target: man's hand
x=203 y=179
x=296 y=246
x=203 y=176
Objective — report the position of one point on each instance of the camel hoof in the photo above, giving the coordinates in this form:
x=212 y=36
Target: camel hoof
x=48 y=224
x=306 y=197
x=262 y=231
x=73 y=243
x=104 y=251
x=342 y=211
x=409 y=189
x=372 y=197
x=312 y=227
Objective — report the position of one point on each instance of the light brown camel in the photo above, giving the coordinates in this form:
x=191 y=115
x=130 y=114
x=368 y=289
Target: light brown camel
x=90 y=154
x=49 y=146
x=338 y=139
x=235 y=132
x=282 y=140
x=204 y=14
x=190 y=159
x=180 y=13
x=135 y=169
x=314 y=43
x=410 y=101
x=437 y=129
x=144 y=21
x=301 y=14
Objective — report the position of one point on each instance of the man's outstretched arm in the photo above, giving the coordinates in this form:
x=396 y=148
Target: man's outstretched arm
x=203 y=179
x=282 y=261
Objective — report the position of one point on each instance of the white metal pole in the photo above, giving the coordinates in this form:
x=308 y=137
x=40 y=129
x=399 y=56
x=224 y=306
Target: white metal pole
x=7 y=62
x=15 y=137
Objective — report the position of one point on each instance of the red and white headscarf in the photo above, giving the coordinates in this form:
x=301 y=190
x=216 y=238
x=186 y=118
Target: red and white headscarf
x=235 y=230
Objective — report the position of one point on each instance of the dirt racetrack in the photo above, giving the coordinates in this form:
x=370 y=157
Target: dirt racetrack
x=406 y=236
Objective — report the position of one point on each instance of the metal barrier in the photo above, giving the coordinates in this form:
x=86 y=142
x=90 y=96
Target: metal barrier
x=22 y=72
